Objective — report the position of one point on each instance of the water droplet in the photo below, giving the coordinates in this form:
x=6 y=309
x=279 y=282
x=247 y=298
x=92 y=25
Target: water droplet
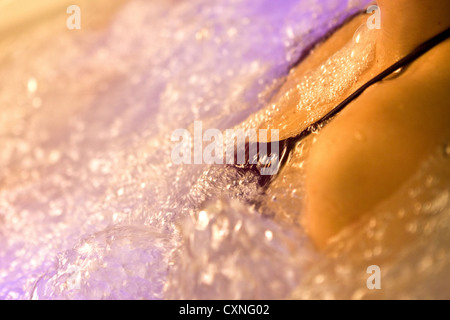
x=54 y=156
x=411 y=227
x=203 y=220
x=377 y=250
x=32 y=85
x=202 y=34
x=238 y=226
x=290 y=32
x=429 y=181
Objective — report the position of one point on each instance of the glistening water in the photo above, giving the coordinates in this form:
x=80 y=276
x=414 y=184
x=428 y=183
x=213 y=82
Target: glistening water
x=92 y=207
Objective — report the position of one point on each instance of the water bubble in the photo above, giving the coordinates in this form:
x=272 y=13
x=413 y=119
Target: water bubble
x=32 y=85
x=203 y=220
x=412 y=227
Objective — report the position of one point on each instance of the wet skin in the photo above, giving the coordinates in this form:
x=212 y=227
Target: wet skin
x=378 y=142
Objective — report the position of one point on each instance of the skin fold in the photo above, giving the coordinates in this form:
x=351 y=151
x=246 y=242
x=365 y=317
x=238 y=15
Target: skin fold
x=402 y=121
x=379 y=141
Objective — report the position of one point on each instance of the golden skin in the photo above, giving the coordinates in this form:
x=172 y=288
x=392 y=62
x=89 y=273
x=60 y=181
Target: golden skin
x=290 y=121
x=366 y=153
x=378 y=142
